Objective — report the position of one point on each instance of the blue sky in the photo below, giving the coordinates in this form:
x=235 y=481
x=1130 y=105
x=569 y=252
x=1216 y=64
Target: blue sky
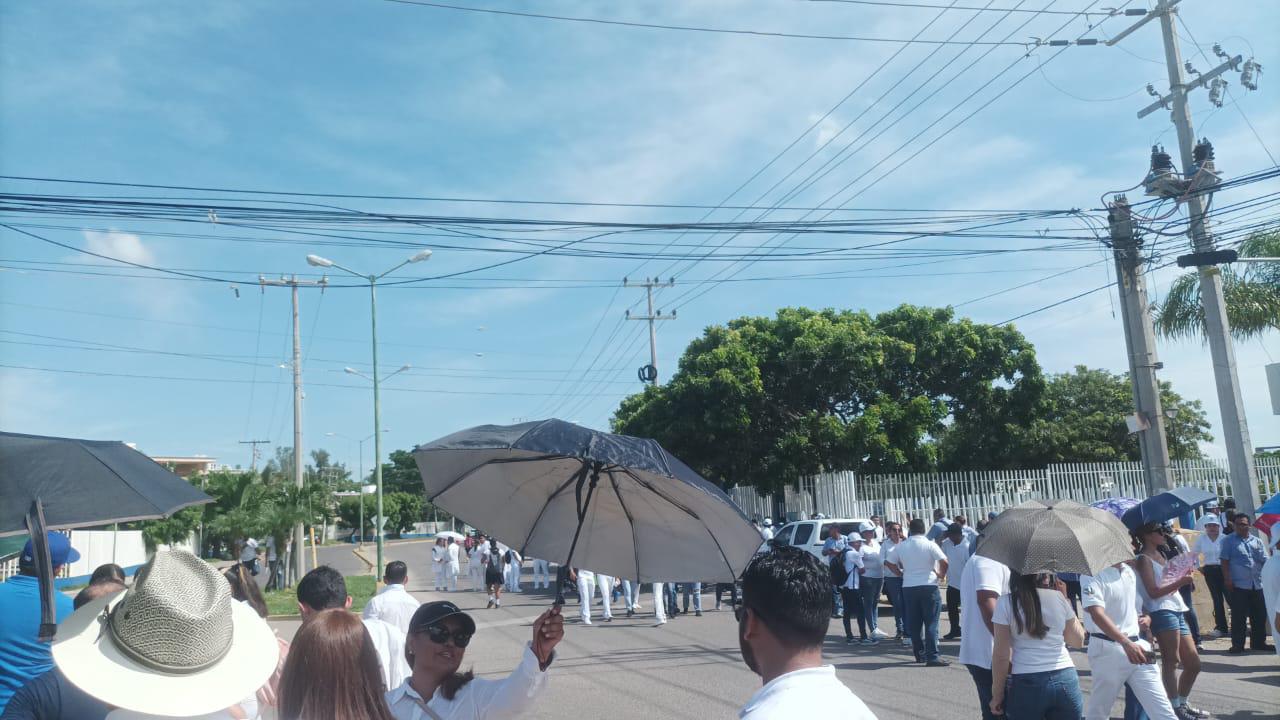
x=372 y=97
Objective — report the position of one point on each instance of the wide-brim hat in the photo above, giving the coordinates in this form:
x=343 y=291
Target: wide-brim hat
x=166 y=603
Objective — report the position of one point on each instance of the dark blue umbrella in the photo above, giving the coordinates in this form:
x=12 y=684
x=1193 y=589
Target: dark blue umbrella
x=1166 y=506
x=1270 y=506
x=615 y=504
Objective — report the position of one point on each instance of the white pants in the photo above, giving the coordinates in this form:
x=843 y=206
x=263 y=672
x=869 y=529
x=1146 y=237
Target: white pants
x=605 y=583
x=658 y=606
x=1111 y=669
x=451 y=576
x=586 y=588
x=476 y=571
x=437 y=576
x=541 y=574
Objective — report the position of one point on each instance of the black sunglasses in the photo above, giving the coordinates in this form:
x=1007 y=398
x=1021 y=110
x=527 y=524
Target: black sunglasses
x=440 y=635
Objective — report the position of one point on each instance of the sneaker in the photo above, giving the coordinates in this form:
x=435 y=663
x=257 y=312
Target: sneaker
x=870 y=641
x=938 y=663
x=1213 y=634
x=497 y=603
x=717 y=607
x=880 y=634
x=850 y=640
x=609 y=619
x=1195 y=711
x=486 y=607
x=906 y=642
x=697 y=613
x=1263 y=648
x=1199 y=647
x=662 y=621
x=586 y=622
x=630 y=613
x=1235 y=651
x=1182 y=713
x=897 y=635
x=836 y=615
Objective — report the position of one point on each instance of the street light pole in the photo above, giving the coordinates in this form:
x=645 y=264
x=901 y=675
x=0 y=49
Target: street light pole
x=319 y=261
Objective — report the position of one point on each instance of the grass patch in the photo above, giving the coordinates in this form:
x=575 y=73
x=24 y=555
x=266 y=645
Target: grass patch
x=285 y=602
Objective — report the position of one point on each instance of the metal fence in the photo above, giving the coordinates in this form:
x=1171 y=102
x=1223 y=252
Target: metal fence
x=974 y=494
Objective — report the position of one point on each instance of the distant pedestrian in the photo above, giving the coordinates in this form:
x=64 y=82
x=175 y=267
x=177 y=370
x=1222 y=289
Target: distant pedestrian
x=1033 y=626
x=452 y=565
x=920 y=563
x=1208 y=550
x=1242 y=558
x=940 y=524
x=493 y=579
x=333 y=672
x=782 y=622
x=541 y=574
x=659 y=604
x=475 y=562
x=957 y=547
x=833 y=552
x=22 y=656
x=872 y=580
x=273 y=564
x=439 y=558
x=511 y=569
x=893 y=580
x=851 y=568
x=694 y=590
x=766 y=531
x=393 y=604
x=249 y=555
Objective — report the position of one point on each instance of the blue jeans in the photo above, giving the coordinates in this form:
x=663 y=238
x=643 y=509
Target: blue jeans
x=923 y=605
x=1050 y=695
x=669 y=590
x=871 y=601
x=853 y=609
x=982 y=679
x=837 y=604
x=893 y=588
x=696 y=590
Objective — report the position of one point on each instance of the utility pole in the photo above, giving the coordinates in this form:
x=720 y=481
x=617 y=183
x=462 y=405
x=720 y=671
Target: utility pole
x=1140 y=341
x=253 y=457
x=1235 y=426
x=293 y=283
x=649 y=373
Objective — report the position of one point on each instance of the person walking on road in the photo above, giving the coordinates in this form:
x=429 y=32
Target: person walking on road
x=439 y=557
x=452 y=565
x=393 y=604
x=1117 y=656
x=872 y=580
x=475 y=562
x=659 y=604
x=1242 y=559
x=693 y=589
x=957 y=547
x=982 y=584
x=834 y=547
x=782 y=622
x=605 y=584
x=586 y=581
x=1161 y=600
x=1033 y=626
x=541 y=574
x=893 y=581
x=1208 y=550
x=249 y=555
x=511 y=565
x=920 y=562
x=492 y=560
x=849 y=576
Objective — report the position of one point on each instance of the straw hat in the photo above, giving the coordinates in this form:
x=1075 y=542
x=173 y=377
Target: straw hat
x=175 y=644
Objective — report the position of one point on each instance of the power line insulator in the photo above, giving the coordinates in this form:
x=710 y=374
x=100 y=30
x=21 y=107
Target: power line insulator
x=1249 y=74
x=1216 y=88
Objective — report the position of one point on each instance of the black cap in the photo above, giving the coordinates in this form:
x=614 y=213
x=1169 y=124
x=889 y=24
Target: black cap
x=429 y=614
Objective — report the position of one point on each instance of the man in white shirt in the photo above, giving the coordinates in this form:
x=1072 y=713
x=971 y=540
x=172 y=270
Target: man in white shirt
x=322 y=589
x=957 y=547
x=393 y=604
x=439 y=557
x=893 y=581
x=475 y=562
x=850 y=590
x=834 y=546
x=452 y=565
x=920 y=562
x=982 y=583
x=273 y=565
x=766 y=532
x=782 y=622
x=1116 y=656
x=249 y=555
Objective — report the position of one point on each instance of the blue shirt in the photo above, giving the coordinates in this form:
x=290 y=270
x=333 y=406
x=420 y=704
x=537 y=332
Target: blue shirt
x=53 y=696
x=1244 y=560
x=938 y=530
x=837 y=544
x=22 y=656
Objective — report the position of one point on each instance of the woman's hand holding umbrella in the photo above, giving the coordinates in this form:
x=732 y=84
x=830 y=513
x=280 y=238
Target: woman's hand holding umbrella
x=548 y=631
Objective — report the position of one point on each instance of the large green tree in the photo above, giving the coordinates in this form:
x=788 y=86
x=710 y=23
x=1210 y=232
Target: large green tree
x=764 y=401
x=1252 y=295
x=1082 y=420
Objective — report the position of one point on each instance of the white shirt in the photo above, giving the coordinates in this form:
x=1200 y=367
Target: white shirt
x=480 y=699
x=453 y=551
x=872 y=560
x=249 y=551
x=1116 y=592
x=392 y=605
x=1271 y=594
x=1033 y=655
x=807 y=693
x=438 y=554
x=852 y=563
x=918 y=558
x=1172 y=601
x=957 y=556
x=766 y=533
x=1211 y=549
x=389 y=642
x=885 y=547
x=271 y=548
x=980 y=573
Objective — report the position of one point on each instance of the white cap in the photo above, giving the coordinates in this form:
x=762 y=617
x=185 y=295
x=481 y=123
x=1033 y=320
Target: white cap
x=1210 y=519
x=866 y=527
x=768 y=522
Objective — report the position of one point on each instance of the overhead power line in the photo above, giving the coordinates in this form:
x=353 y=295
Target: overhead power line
x=888 y=3
x=680 y=28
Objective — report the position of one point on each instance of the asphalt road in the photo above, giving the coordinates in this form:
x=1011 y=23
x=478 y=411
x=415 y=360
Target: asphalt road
x=691 y=667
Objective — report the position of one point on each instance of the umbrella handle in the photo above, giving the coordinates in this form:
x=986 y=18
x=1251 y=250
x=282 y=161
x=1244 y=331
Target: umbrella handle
x=582 y=507
x=44 y=570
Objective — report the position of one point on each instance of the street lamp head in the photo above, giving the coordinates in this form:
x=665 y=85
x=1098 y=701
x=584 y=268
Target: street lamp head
x=318 y=261
x=403 y=368
x=350 y=371
x=419 y=257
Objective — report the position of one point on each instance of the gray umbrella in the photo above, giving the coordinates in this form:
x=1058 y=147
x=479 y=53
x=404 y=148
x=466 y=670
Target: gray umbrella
x=610 y=503
x=1056 y=536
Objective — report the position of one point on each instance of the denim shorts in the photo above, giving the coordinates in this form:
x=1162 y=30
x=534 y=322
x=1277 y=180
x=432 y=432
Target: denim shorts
x=1162 y=620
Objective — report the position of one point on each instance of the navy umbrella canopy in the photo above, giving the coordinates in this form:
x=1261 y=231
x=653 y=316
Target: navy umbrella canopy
x=1166 y=506
x=615 y=504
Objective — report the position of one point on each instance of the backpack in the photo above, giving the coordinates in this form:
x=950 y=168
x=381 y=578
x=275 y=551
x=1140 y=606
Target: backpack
x=839 y=576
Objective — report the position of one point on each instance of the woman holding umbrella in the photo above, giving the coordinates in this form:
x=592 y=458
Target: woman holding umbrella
x=1162 y=601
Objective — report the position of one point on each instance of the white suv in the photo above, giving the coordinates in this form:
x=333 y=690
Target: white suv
x=811 y=534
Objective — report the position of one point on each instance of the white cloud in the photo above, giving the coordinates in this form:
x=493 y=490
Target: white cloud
x=119 y=245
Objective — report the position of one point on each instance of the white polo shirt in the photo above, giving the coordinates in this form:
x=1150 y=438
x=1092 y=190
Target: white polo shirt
x=1210 y=548
x=957 y=557
x=807 y=693
x=393 y=605
x=1116 y=592
x=918 y=557
x=980 y=573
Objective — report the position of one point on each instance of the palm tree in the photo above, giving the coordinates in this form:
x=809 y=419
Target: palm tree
x=1252 y=296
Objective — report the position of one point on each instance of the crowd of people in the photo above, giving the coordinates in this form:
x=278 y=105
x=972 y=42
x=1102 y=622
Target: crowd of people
x=184 y=640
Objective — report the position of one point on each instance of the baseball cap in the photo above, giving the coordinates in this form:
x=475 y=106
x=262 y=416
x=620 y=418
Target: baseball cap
x=866 y=527
x=429 y=614
x=60 y=550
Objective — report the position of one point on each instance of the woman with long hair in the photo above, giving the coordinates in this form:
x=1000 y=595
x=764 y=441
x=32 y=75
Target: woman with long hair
x=439 y=634
x=1162 y=601
x=244 y=589
x=1033 y=625
x=333 y=672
